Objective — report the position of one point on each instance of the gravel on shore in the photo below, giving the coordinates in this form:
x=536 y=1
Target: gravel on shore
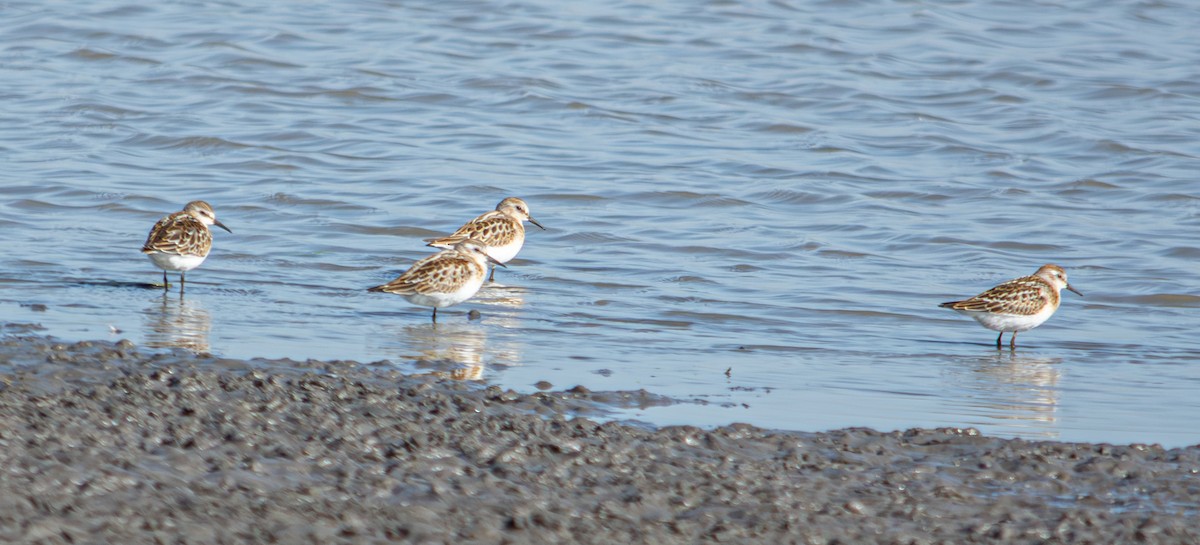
x=100 y=443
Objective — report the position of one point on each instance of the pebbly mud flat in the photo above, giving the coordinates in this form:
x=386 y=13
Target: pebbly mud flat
x=100 y=443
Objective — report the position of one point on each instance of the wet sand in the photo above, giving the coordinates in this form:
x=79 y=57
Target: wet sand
x=100 y=443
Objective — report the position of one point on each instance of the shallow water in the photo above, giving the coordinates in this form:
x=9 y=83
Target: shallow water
x=754 y=206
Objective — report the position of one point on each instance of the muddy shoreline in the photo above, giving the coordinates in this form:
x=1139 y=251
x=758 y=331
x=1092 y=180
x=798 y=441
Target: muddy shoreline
x=102 y=443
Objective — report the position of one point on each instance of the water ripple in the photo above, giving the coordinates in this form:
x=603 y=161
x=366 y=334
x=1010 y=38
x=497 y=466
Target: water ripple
x=785 y=189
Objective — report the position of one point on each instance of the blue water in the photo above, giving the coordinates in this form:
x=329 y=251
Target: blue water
x=754 y=208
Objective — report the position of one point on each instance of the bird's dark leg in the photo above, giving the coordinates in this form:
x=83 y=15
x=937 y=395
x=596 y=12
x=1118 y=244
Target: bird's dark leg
x=492 y=277
x=1012 y=342
x=181 y=281
x=165 y=284
x=435 y=315
x=998 y=339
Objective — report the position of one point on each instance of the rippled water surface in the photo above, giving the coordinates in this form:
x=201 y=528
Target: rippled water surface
x=753 y=206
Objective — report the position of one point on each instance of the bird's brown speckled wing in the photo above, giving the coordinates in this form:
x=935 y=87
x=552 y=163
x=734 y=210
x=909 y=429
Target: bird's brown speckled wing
x=442 y=272
x=1024 y=296
x=180 y=234
x=492 y=229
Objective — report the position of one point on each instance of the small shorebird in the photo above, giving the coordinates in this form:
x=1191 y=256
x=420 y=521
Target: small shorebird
x=181 y=241
x=1017 y=305
x=500 y=230
x=446 y=278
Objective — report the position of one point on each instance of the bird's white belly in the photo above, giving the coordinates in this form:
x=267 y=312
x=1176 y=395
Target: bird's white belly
x=506 y=253
x=1010 y=322
x=442 y=300
x=175 y=262
x=503 y=254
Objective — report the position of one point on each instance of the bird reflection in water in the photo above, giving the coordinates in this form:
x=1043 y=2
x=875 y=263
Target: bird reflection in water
x=499 y=302
x=459 y=349
x=176 y=322
x=1019 y=389
x=454 y=350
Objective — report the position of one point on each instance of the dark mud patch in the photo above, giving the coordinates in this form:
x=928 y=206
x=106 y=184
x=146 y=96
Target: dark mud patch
x=100 y=443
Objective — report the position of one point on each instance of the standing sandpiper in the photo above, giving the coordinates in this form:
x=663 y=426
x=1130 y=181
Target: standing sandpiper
x=181 y=241
x=501 y=231
x=443 y=279
x=1017 y=305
